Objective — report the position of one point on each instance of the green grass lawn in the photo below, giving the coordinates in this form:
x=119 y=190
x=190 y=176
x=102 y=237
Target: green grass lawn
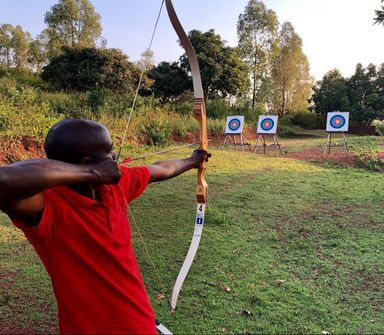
x=288 y=247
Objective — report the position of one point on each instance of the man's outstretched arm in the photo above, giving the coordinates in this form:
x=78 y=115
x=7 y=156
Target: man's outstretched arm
x=171 y=168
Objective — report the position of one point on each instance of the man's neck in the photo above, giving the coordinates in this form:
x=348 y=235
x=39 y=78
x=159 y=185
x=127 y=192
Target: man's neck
x=88 y=191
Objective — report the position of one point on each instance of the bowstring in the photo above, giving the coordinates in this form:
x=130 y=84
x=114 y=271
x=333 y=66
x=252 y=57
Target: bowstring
x=157 y=274
x=156 y=153
x=139 y=84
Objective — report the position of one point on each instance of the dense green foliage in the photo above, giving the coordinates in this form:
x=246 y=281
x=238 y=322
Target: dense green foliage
x=28 y=108
x=170 y=81
x=361 y=95
x=307 y=120
x=222 y=70
x=84 y=69
x=23 y=111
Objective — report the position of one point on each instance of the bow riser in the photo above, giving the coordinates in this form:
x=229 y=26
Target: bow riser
x=202 y=186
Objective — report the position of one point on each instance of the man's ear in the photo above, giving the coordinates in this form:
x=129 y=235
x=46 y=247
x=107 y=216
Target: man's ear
x=86 y=160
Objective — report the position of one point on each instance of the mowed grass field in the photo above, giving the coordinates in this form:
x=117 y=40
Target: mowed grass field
x=288 y=247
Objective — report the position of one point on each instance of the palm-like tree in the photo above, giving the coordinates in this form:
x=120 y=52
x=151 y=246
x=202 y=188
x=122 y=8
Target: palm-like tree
x=379 y=19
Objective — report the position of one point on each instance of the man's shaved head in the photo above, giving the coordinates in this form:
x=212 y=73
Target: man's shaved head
x=72 y=140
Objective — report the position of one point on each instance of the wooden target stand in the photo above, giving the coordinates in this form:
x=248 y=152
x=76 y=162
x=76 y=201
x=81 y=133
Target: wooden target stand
x=329 y=145
x=276 y=143
x=242 y=141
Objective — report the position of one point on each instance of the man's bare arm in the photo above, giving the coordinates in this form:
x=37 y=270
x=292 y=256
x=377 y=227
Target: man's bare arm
x=21 y=183
x=171 y=168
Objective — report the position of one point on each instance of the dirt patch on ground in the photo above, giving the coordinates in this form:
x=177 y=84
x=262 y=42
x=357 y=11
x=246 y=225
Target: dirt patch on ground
x=317 y=154
x=15 y=149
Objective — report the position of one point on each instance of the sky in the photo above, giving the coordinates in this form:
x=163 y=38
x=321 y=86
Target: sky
x=335 y=33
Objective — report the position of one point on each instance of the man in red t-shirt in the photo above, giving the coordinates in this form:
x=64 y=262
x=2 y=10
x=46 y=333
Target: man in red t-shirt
x=72 y=207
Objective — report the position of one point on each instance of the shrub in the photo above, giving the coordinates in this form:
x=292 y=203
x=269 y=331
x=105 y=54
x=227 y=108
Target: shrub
x=183 y=107
x=218 y=109
x=216 y=127
x=22 y=111
x=286 y=131
x=157 y=132
x=70 y=105
x=307 y=120
x=285 y=120
x=379 y=126
x=371 y=163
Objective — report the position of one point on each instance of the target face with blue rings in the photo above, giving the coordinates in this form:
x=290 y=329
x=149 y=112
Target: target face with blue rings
x=234 y=124
x=267 y=124
x=337 y=121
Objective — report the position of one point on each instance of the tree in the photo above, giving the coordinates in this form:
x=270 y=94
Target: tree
x=37 y=55
x=6 y=44
x=234 y=80
x=331 y=94
x=365 y=95
x=379 y=19
x=72 y=23
x=361 y=95
x=145 y=65
x=217 y=62
x=292 y=82
x=20 y=45
x=170 y=81
x=90 y=68
x=257 y=35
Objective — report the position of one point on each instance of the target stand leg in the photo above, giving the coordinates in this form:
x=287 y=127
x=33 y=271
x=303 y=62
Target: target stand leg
x=345 y=143
x=242 y=142
x=277 y=146
x=246 y=142
x=264 y=144
x=225 y=140
x=257 y=141
x=327 y=149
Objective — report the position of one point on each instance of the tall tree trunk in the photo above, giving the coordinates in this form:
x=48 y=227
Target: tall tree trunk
x=283 y=99
x=254 y=77
x=254 y=92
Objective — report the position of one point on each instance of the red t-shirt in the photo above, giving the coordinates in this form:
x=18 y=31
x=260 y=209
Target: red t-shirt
x=86 y=248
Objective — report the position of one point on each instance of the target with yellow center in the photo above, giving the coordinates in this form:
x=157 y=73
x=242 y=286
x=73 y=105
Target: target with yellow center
x=337 y=122
x=234 y=125
x=267 y=124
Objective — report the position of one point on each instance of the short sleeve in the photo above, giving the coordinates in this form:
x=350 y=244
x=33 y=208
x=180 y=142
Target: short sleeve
x=134 y=181
x=42 y=231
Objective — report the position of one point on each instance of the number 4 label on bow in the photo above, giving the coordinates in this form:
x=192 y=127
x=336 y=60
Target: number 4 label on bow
x=199 y=219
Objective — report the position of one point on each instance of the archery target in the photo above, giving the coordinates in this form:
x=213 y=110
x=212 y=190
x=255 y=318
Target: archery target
x=267 y=124
x=337 y=121
x=234 y=125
